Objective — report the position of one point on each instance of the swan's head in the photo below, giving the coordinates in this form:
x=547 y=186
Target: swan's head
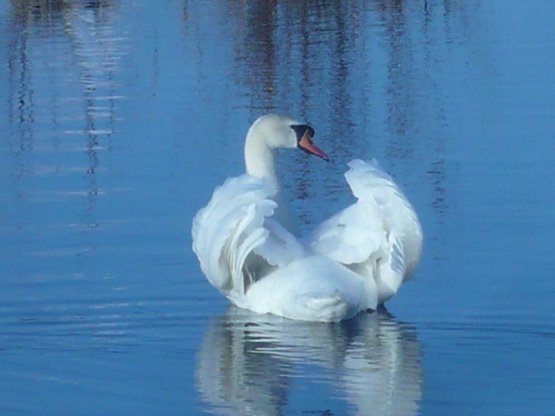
x=284 y=132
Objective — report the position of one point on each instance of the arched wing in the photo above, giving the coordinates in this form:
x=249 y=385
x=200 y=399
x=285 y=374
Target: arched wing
x=379 y=236
x=369 y=182
x=236 y=240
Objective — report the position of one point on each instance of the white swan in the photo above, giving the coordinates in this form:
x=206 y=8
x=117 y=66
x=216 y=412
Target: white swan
x=352 y=262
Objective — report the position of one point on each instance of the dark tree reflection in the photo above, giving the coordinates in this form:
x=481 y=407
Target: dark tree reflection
x=370 y=76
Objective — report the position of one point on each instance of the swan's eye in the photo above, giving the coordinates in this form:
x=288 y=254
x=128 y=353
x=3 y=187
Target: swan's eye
x=304 y=141
x=302 y=129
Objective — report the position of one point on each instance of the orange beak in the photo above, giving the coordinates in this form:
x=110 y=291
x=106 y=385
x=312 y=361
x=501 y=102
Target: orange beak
x=306 y=144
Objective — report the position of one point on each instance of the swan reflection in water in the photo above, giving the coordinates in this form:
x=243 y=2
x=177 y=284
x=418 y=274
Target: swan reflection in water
x=247 y=363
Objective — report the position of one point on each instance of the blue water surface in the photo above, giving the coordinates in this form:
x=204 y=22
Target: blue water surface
x=118 y=119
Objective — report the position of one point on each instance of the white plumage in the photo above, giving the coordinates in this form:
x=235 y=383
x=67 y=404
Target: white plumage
x=354 y=261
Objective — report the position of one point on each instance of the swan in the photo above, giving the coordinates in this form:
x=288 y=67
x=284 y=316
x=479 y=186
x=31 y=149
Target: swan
x=352 y=262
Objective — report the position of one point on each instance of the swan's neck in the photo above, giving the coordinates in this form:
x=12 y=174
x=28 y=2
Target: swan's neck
x=259 y=158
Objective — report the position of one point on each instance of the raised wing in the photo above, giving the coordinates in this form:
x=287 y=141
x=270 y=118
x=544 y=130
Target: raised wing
x=235 y=239
x=370 y=183
x=379 y=236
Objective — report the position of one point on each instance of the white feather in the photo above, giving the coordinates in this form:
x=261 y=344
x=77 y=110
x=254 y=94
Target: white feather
x=353 y=261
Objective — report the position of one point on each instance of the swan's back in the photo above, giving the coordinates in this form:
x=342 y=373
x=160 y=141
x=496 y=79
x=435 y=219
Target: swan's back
x=255 y=262
x=352 y=262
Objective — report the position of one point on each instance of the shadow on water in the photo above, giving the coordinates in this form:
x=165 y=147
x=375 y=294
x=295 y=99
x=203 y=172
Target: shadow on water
x=247 y=363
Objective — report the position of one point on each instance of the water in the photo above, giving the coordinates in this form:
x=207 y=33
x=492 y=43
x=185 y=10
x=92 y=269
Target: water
x=118 y=119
